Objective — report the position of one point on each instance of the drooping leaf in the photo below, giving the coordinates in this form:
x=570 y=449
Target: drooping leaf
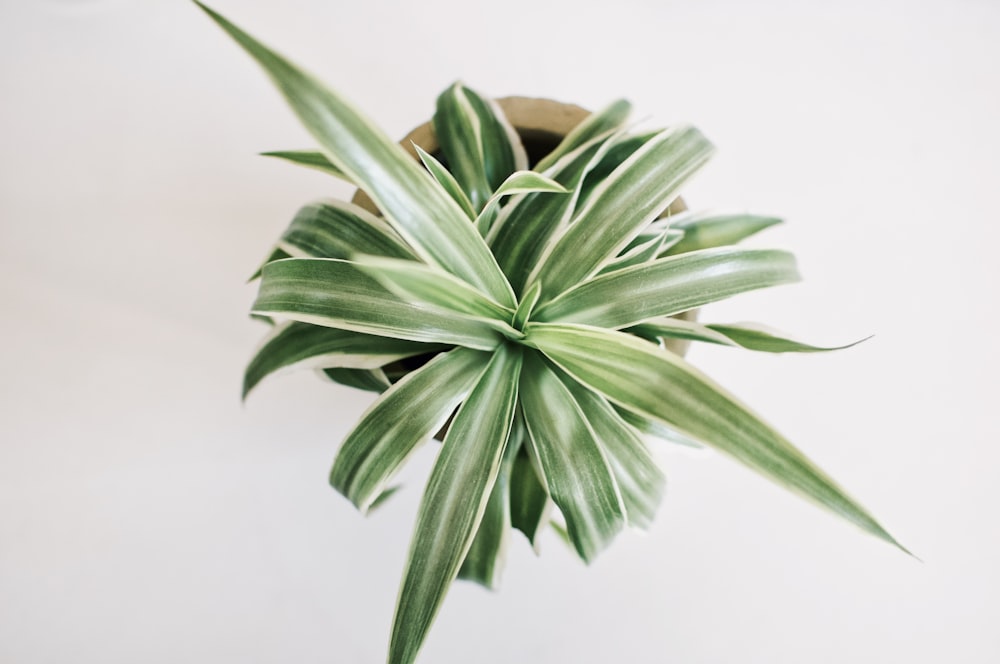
x=521 y=182
x=406 y=415
x=433 y=225
x=310 y=159
x=529 y=499
x=573 y=464
x=669 y=286
x=628 y=199
x=446 y=180
x=609 y=119
x=485 y=559
x=639 y=479
x=754 y=336
x=300 y=345
x=335 y=293
x=454 y=501
x=662 y=386
x=703 y=230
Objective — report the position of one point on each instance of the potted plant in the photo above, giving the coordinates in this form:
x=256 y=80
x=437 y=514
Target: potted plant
x=529 y=303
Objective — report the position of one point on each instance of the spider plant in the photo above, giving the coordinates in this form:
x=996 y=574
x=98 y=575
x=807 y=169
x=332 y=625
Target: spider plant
x=529 y=309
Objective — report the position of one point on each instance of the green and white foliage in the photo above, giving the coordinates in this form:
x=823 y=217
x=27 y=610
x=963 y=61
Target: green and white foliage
x=527 y=311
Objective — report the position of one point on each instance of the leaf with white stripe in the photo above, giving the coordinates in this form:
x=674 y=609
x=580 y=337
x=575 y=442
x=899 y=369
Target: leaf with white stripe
x=433 y=225
x=639 y=479
x=301 y=346
x=631 y=197
x=610 y=118
x=335 y=293
x=662 y=386
x=669 y=286
x=337 y=229
x=446 y=180
x=703 y=230
x=406 y=415
x=423 y=284
x=571 y=459
x=313 y=159
x=521 y=182
x=455 y=500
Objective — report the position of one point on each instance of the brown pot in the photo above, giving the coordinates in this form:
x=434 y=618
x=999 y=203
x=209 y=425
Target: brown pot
x=541 y=124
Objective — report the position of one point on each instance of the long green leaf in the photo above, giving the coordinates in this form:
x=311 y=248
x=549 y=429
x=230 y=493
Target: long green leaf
x=422 y=284
x=454 y=501
x=335 y=293
x=703 y=230
x=632 y=196
x=406 y=415
x=610 y=118
x=485 y=559
x=662 y=386
x=639 y=479
x=420 y=211
x=754 y=336
x=300 y=345
x=310 y=159
x=529 y=499
x=669 y=286
x=645 y=426
x=573 y=464
x=337 y=229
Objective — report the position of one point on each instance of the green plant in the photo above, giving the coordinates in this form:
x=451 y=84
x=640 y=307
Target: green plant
x=536 y=303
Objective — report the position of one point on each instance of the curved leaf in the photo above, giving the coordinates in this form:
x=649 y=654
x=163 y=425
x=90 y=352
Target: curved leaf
x=370 y=380
x=754 y=336
x=529 y=499
x=662 y=386
x=335 y=293
x=454 y=501
x=406 y=415
x=337 y=229
x=300 y=345
x=669 y=286
x=521 y=182
x=421 y=212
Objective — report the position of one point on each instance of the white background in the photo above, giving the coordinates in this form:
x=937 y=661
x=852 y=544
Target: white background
x=146 y=516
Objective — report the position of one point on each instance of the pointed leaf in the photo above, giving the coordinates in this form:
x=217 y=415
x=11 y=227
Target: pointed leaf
x=300 y=345
x=446 y=180
x=703 y=230
x=631 y=197
x=529 y=499
x=454 y=501
x=521 y=182
x=669 y=286
x=337 y=229
x=310 y=159
x=662 y=386
x=421 y=212
x=610 y=118
x=370 y=380
x=335 y=293
x=406 y=415
x=571 y=458
x=759 y=337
